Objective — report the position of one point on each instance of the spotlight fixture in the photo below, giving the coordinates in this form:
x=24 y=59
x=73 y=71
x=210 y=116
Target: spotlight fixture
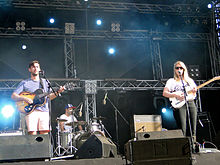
x=209 y=5
x=52 y=20
x=99 y=22
x=20 y=26
x=69 y=28
x=115 y=27
x=111 y=51
x=194 y=71
x=24 y=47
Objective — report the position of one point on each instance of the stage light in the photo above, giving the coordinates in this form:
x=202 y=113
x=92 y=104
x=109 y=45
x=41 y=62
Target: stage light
x=194 y=71
x=7 y=111
x=111 y=51
x=23 y=47
x=99 y=22
x=52 y=20
x=115 y=27
x=69 y=28
x=20 y=26
x=209 y=5
x=164 y=110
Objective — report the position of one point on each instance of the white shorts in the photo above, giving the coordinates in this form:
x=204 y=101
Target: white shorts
x=37 y=121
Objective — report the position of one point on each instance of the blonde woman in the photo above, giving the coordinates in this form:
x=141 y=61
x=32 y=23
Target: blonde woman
x=174 y=90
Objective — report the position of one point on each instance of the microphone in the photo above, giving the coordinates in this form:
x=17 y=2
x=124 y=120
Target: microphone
x=80 y=110
x=180 y=73
x=200 y=123
x=41 y=72
x=104 y=100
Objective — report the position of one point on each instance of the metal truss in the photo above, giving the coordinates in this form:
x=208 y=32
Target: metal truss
x=56 y=33
x=90 y=107
x=214 y=44
x=156 y=60
x=176 y=9
x=69 y=54
x=108 y=84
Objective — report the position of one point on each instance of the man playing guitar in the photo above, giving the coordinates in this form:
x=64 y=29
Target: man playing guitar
x=37 y=119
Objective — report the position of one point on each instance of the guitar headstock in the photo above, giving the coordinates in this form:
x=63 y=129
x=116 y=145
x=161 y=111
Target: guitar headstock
x=216 y=78
x=69 y=86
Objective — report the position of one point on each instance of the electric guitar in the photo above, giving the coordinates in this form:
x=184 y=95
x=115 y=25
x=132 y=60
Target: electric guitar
x=38 y=97
x=190 y=96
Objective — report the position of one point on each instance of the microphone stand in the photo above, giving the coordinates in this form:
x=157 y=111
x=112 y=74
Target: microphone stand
x=116 y=120
x=188 y=114
x=49 y=106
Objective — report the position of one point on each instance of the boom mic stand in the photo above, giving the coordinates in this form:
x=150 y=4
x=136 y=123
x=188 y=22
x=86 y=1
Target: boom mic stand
x=187 y=110
x=116 y=119
x=41 y=73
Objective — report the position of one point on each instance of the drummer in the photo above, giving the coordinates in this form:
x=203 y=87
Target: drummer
x=68 y=125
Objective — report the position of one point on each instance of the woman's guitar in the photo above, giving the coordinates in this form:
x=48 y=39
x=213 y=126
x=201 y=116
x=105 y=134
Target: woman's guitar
x=190 y=96
x=38 y=97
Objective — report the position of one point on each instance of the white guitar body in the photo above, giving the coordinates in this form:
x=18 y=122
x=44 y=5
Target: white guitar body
x=177 y=103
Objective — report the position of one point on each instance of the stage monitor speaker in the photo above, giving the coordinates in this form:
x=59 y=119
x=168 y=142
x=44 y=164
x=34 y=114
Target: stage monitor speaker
x=159 y=135
x=25 y=147
x=145 y=123
x=174 y=151
x=97 y=146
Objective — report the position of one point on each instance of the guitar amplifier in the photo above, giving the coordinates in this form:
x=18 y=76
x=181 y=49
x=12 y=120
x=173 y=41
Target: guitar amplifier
x=145 y=123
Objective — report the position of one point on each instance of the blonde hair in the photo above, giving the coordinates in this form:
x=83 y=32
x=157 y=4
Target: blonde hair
x=185 y=72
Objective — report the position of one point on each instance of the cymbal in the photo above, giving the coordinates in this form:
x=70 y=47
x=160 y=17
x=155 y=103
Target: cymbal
x=76 y=123
x=61 y=120
x=99 y=118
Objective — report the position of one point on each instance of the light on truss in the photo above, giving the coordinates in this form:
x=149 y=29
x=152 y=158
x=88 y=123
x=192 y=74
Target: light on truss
x=52 y=20
x=99 y=22
x=111 y=51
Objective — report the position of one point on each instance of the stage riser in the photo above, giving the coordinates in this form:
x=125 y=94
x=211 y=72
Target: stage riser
x=25 y=147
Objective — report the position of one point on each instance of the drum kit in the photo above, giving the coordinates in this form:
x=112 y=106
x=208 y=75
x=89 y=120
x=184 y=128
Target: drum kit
x=69 y=142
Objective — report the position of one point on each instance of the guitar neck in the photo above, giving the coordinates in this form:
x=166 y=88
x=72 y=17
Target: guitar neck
x=206 y=83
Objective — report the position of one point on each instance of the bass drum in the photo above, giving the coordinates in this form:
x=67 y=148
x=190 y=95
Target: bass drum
x=79 y=140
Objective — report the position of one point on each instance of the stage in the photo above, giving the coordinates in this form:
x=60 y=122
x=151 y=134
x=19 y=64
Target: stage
x=212 y=158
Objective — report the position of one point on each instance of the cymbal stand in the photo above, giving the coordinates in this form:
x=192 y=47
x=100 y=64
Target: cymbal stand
x=59 y=147
x=71 y=148
x=103 y=128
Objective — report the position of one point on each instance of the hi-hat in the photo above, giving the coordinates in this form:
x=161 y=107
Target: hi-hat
x=61 y=120
x=99 y=118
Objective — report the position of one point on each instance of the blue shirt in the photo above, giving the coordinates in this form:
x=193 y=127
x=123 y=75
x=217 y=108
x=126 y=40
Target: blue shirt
x=31 y=86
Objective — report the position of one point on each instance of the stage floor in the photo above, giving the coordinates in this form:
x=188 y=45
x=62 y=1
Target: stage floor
x=198 y=159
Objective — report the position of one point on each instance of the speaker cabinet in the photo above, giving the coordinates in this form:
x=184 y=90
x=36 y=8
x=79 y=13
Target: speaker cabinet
x=25 y=147
x=173 y=151
x=97 y=146
x=145 y=123
x=159 y=135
